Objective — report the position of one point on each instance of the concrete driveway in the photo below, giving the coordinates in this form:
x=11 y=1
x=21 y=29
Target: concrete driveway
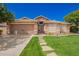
x=13 y=45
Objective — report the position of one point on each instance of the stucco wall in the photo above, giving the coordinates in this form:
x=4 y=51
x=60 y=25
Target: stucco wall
x=4 y=30
x=35 y=29
x=66 y=28
x=56 y=28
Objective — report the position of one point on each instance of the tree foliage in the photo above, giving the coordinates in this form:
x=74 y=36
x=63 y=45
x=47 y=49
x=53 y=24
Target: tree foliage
x=5 y=14
x=73 y=18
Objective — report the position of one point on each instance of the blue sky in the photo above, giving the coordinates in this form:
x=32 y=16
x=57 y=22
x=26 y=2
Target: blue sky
x=53 y=11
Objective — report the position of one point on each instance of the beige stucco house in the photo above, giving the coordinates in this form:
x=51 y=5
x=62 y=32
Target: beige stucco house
x=39 y=25
x=3 y=28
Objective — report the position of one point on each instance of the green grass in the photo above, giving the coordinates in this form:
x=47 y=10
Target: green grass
x=33 y=48
x=65 y=45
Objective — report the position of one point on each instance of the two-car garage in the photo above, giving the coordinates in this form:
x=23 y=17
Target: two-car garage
x=21 y=28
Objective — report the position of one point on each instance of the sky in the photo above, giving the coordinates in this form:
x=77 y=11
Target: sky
x=53 y=11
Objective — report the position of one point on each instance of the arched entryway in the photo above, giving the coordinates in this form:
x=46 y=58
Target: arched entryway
x=41 y=22
x=40 y=27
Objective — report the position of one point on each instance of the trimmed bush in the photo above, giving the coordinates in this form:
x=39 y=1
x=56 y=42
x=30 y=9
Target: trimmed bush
x=74 y=29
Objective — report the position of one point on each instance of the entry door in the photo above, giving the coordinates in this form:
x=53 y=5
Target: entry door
x=40 y=27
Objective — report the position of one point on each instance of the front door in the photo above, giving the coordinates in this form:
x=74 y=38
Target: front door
x=40 y=27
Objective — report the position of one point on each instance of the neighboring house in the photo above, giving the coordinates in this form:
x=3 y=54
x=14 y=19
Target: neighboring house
x=38 y=25
x=3 y=28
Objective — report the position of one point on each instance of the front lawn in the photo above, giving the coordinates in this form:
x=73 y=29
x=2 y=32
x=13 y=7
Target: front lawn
x=33 y=48
x=64 y=45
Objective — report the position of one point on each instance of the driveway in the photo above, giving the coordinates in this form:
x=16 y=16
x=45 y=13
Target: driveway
x=13 y=45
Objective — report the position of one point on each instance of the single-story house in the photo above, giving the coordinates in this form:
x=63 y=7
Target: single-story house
x=38 y=25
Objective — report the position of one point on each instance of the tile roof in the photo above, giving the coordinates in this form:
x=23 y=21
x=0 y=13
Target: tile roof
x=31 y=21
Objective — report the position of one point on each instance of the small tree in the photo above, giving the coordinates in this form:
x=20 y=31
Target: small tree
x=5 y=14
x=73 y=18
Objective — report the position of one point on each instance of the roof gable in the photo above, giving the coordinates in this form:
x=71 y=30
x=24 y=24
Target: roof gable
x=24 y=19
x=41 y=17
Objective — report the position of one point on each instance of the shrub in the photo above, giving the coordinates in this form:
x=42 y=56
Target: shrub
x=74 y=29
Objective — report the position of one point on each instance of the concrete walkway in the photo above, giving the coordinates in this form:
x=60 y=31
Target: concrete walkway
x=16 y=50
x=46 y=49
